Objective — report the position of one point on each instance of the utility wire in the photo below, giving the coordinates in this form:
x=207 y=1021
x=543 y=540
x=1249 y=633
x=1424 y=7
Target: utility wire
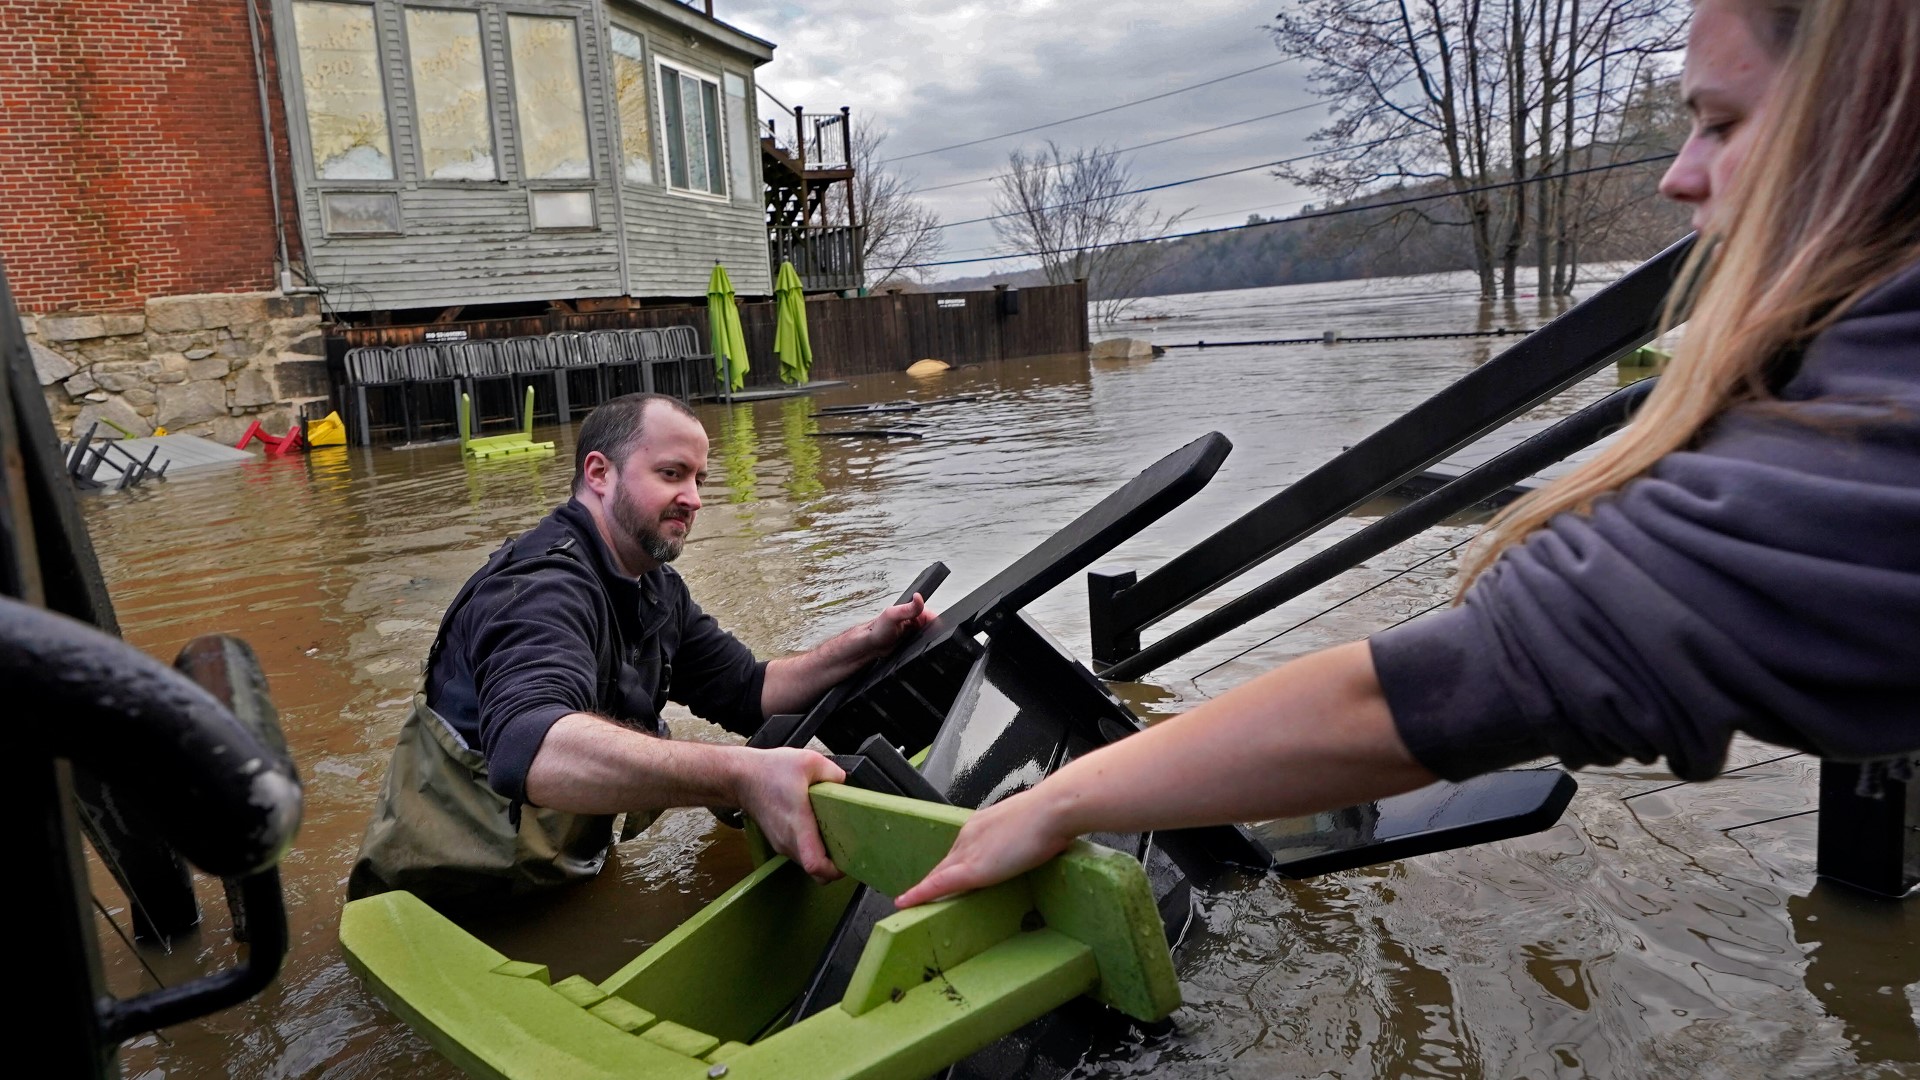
x=1337 y=212
x=1162 y=187
x=1178 y=183
x=1082 y=116
x=1395 y=576
x=1127 y=149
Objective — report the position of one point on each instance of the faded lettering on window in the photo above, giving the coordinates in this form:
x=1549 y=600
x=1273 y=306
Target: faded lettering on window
x=547 y=98
x=346 y=99
x=450 y=95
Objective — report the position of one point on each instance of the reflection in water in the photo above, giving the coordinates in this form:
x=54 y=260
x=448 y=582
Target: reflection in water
x=1635 y=939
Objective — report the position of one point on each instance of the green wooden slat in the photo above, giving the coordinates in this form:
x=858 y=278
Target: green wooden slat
x=884 y=840
x=731 y=969
x=933 y=1025
x=521 y=969
x=680 y=1039
x=1090 y=893
x=580 y=990
x=914 y=946
x=442 y=982
x=624 y=1015
x=1099 y=896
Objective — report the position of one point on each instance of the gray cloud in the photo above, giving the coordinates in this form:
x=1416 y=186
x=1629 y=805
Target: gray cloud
x=936 y=73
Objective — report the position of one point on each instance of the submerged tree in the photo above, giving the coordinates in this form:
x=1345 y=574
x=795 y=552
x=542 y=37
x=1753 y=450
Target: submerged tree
x=1078 y=213
x=1473 y=93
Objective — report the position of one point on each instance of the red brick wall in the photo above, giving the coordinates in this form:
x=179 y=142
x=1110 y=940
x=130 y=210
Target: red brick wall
x=131 y=157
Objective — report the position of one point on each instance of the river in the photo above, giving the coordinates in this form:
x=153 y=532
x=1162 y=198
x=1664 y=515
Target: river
x=1653 y=932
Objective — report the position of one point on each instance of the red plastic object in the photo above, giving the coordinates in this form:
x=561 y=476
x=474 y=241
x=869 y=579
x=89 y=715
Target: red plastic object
x=276 y=445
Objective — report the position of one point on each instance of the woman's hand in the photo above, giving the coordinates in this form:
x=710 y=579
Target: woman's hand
x=1003 y=841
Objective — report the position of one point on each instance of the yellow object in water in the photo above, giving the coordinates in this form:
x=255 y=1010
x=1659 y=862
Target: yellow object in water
x=329 y=430
x=929 y=366
x=159 y=431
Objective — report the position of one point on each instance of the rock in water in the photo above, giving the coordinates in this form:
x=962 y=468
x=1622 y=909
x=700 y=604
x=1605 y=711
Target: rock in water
x=1123 y=348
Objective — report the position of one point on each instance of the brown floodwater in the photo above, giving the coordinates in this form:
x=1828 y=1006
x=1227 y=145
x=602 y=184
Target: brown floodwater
x=1656 y=931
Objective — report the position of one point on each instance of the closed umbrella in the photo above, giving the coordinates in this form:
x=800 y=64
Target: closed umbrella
x=790 y=342
x=729 y=341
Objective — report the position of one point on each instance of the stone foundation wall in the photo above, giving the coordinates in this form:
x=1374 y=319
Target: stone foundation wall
x=205 y=365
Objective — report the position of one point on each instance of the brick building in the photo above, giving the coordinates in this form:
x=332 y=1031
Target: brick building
x=188 y=182
x=136 y=182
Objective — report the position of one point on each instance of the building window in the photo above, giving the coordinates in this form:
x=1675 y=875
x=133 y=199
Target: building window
x=563 y=210
x=690 y=105
x=453 y=116
x=739 y=134
x=630 y=92
x=547 y=98
x=345 y=97
x=360 y=213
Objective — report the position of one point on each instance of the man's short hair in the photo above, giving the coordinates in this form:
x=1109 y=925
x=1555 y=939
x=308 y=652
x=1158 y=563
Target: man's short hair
x=614 y=430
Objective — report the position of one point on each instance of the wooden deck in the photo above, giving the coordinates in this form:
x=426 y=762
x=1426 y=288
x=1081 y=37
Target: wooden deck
x=176 y=453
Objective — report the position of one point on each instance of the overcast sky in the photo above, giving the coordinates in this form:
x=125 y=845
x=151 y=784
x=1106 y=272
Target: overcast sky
x=937 y=72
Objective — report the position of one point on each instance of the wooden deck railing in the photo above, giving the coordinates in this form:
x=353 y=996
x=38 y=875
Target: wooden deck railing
x=827 y=257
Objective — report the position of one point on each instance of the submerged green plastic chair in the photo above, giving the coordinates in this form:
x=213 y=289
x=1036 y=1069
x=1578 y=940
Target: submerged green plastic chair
x=710 y=1000
x=493 y=446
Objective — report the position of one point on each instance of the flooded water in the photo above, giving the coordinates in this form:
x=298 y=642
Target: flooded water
x=1656 y=931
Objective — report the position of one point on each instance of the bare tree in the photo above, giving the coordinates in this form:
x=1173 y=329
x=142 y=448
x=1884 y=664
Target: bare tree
x=900 y=230
x=1077 y=212
x=1467 y=93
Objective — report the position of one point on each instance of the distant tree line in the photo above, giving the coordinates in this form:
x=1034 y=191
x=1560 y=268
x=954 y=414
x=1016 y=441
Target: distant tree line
x=1454 y=93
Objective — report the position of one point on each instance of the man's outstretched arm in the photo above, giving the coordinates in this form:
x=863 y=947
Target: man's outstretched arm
x=794 y=683
x=590 y=765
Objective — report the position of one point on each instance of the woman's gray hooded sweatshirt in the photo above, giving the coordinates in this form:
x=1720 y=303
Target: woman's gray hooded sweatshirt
x=1766 y=581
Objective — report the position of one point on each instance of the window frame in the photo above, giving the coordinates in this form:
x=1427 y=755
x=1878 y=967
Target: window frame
x=291 y=62
x=593 y=209
x=323 y=198
x=519 y=173
x=649 y=86
x=684 y=70
x=494 y=118
x=753 y=191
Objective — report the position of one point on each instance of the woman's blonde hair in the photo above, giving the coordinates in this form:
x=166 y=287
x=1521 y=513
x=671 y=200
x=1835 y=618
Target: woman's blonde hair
x=1825 y=207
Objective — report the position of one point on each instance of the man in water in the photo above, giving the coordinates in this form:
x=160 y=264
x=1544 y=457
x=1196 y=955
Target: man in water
x=539 y=719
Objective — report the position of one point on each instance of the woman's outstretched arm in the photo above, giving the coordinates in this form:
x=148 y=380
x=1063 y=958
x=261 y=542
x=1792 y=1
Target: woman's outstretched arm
x=1313 y=735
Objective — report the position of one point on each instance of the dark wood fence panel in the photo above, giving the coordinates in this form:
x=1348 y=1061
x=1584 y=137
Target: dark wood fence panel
x=864 y=336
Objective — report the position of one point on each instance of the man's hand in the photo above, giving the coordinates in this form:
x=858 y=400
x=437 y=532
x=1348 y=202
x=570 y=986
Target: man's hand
x=794 y=683
x=877 y=637
x=590 y=765
x=772 y=788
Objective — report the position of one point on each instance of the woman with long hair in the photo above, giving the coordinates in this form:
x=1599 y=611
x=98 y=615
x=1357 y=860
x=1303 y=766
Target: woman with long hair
x=1745 y=558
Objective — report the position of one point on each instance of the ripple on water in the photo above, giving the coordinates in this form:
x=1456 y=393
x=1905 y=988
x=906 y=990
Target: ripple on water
x=1634 y=939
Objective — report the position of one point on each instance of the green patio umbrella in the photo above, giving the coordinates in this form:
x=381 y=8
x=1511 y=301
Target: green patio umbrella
x=729 y=341
x=790 y=342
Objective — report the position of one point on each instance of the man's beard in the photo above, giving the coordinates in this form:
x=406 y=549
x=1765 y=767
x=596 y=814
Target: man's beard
x=659 y=546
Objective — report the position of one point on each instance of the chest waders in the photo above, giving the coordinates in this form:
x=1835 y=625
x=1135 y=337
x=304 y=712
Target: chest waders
x=441 y=832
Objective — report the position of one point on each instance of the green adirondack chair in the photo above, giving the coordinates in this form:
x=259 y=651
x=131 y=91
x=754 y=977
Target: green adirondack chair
x=934 y=984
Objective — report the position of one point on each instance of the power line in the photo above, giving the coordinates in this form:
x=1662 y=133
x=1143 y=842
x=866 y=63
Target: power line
x=1300 y=217
x=1171 y=183
x=1126 y=149
x=1180 y=183
x=1082 y=116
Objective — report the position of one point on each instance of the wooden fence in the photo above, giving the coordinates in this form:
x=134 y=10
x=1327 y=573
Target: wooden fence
x=863 y=336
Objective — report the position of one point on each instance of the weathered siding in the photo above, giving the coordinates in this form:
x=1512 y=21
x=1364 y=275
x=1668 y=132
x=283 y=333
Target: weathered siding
x=673 y=239
x=469 y=242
